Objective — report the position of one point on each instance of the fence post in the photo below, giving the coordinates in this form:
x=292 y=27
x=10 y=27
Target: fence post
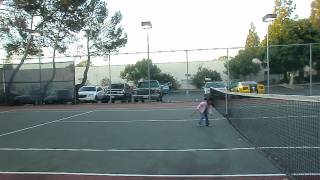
x=4 y=81
x=187 y=74
x=228 y=67
x=40 y=78
x=226 y=100
x=110 y=94
x=310 y=70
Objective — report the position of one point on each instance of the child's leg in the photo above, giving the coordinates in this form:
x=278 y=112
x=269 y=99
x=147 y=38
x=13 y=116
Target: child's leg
x=201 y=118
x=206 y=118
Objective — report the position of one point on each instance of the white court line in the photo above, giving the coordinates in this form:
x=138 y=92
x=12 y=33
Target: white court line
x=153 y=150
x=276 y=117
x=125 y=150
x=133 y=121
x=141 y=175
x=111 y=109
x=2 y=112
x=146 y=109
x=50 y=122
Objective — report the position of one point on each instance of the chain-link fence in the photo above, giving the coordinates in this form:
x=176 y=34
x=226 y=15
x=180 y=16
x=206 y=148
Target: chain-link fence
x=38 y=83
x=293 y=69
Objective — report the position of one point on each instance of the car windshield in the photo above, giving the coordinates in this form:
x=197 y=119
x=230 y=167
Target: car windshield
x=215 y=85
x=249 y=83
x=145 y=84
x=86 y=88
x=117 y=86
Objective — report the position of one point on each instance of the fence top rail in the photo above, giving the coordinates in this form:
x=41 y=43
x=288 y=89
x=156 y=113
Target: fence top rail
x=169 y=51
x=25 y=63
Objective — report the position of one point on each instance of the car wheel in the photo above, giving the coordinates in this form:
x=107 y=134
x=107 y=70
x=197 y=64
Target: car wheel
x=129 y=100
x=142 y=100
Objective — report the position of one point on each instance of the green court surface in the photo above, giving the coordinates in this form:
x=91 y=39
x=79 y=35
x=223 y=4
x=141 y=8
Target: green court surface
x=125 y=141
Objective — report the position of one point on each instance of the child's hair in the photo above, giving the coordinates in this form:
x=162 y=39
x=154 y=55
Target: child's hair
x=210 y=99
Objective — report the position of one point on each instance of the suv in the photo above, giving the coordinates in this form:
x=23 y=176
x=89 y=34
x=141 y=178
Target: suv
x=142 y=91
x=213 y=85
x=90 y=93
x=118 y=91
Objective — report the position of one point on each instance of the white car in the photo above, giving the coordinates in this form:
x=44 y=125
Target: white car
x=90 y=93
x=214 y=85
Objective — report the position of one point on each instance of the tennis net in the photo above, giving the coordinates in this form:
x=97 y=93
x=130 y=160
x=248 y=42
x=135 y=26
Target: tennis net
x=285 y=128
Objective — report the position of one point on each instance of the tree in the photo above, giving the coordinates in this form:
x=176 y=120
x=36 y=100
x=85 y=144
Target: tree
x=60 y=31
x=102 y=35
x=139 y=71
x=284 y=10
x=105 y=81
x=16 y=24
x=198 y=79
x=315 y=14
x=19 y=23
x=289 y=59
x=252 y=38
x=83 y=63
x=288 y=30
x=242 y=64
x=168 y=78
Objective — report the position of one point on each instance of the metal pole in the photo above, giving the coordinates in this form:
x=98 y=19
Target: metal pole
x=75 y=87
x=228 y=65
x=148 y=65
x=40 y=77
x=110 y=94
x=310 y=71
x=187 y=57
x=4 y=81
x=226 y=101
x=268 y=63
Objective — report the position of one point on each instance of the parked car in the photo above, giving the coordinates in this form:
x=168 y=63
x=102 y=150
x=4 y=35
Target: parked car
x=216 y=85
x=165 y=88
x=90 y=94
x=59 y=96
x=118 y=91
x=32 y=97
x=142 y=91
x=247 y=87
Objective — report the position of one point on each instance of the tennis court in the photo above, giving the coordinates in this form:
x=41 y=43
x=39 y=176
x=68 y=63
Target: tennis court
x=147 y=140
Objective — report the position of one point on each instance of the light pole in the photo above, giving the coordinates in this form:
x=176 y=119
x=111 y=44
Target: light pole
x=147 y=25
x=268 y=18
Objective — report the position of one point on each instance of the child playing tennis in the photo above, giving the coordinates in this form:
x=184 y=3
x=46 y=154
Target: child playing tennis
x=204 y=108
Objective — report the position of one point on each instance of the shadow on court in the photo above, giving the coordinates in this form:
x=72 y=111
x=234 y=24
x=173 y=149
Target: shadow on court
x=148 y=143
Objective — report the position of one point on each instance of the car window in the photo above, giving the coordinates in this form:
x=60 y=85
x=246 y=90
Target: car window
x=145 y=84
x=117 y=86
x=86 y=88
x=215 y=85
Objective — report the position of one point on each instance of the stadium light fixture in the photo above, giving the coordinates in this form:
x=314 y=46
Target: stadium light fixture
x=269 y=17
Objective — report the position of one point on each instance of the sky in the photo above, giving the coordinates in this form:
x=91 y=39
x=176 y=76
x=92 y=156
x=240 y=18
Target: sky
x=187 y=24
x=194 y=24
